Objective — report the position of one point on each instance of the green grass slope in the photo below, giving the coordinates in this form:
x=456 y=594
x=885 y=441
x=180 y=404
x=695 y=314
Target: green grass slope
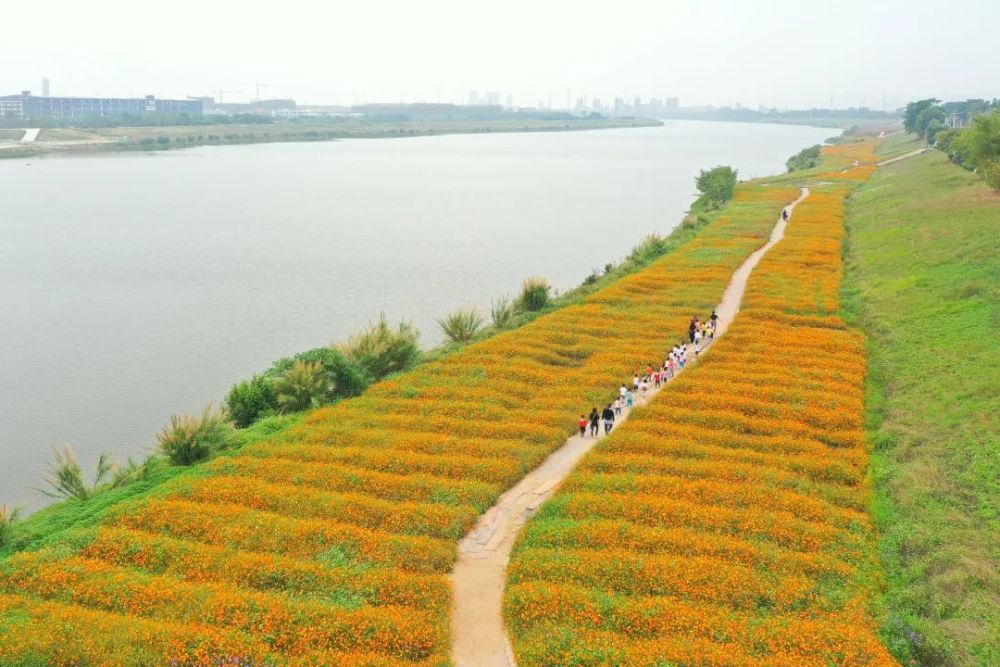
x=922 y=279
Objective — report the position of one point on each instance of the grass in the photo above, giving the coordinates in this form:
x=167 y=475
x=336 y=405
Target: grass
x=11 y=135
x=899 y=144
x=922 y=280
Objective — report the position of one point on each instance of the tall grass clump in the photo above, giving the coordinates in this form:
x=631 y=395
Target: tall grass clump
x=461 y=325
x=302 y=386
x=807 y=158
x=65 y=477
x=502 y=312
x=535 y=294
x=381 y=350
x=191 y=438
x=8 y=517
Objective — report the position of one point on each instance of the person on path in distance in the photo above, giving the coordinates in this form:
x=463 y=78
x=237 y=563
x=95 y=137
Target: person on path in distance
x=656 y=378
x=621 y=392
x=618 y=406
x=784 y=214
x=714 y=319
x=629 y=401
x=644 y=386
x=649 y=371
x=635 y=383
x=672 y=370
x=595 y=419
x=692 y=328
x=609 y=419
x=583 y=425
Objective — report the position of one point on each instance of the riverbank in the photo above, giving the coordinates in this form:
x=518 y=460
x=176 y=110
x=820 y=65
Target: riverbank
x=82 y=141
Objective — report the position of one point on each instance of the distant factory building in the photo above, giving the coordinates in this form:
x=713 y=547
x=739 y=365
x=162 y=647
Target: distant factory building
x=27 y=106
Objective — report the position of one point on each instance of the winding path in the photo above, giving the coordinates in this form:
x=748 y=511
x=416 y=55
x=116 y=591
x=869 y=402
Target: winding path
x=478 y=637
x=902 y=157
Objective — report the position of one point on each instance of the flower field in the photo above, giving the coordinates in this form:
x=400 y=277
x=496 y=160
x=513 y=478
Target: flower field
x=330 y=543
x=726 y=523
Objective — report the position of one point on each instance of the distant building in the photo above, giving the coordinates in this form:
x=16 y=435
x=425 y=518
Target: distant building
x=510 y=101
x=27 y=106
x=492 y=99
x=595 y=104
x=959 y=120
x=473 y=98
x=671 y=103
x=45 y=87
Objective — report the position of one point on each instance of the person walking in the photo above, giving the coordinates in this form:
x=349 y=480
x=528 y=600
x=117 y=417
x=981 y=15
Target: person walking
x=784 y=214
x=609 y=419
x=714 y=319
x=635 y=383
x=583 y=425
x=629 y=400
x=692 y=328
x=621 y=392
x=595 y=419
x=618 y=406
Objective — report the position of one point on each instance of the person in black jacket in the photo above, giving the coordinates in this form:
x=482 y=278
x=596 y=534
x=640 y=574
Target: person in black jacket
x=609 y=418
x=595 y=419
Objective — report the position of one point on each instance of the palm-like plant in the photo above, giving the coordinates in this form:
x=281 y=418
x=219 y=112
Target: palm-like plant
x=8 y=517
x=190 y=438
x=304 y=385
x=534 y=294
x=65 y=477
x=381 y=350
x=461 y=325
x=502 y=311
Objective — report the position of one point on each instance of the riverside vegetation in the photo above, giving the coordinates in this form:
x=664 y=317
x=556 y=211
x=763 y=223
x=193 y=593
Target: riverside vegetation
x=324 y=537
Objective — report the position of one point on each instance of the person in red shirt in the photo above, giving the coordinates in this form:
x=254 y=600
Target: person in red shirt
x=583 y=425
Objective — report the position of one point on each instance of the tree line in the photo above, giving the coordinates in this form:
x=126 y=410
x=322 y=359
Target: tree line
x=975 y=147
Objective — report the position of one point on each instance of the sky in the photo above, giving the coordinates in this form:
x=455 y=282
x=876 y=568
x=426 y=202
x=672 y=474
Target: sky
x=779 y=53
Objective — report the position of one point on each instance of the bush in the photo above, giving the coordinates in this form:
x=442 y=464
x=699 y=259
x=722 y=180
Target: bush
x=381 y=350
x=501 y=311
x=647 y=250
x=807 y=158
x=8 y=517
x=718 y=184
x=190 y=438
x=461 y=325
x=65 y=477
x=344 y=377
x=991 y=172
x=535 y=295
x=302 y=386
x=249 y=400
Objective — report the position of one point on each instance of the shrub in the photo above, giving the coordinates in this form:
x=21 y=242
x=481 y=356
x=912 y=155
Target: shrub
x=344 y=377
x=535 y=293
x=807 y=158
x=8 y=517
x=461 y=325
x=65 y=477
x=302 y=386
x=502 y=311
x=718 y=184
x=380 y=350
x=991 y=172
x=647 y=250
x=190 y=438
x=249 y=400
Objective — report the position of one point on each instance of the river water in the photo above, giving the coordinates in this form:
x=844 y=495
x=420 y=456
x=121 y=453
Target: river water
x=135 y=286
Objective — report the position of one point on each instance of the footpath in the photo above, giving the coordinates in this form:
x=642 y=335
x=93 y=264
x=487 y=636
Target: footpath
x=478 y=636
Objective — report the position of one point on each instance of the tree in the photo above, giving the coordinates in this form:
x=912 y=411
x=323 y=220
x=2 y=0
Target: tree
x=930 y=117
x=913 y=111
x=718 y=184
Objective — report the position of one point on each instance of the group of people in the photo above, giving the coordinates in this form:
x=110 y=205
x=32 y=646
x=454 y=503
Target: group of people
x=677 y=359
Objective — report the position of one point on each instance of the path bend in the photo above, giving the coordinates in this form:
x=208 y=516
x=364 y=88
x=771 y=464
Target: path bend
x=478 y=637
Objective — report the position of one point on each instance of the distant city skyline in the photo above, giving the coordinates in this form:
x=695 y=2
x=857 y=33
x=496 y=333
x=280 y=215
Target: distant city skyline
x=722 y=53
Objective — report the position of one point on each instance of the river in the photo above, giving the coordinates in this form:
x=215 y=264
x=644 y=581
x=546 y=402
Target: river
x=134 y=286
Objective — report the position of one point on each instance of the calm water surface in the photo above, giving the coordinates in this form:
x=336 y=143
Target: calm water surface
x=135 y=286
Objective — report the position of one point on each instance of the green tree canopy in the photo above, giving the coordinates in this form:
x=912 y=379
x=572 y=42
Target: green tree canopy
x=717 y=184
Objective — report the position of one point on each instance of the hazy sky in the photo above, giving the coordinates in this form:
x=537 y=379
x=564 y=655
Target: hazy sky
x=772 y=52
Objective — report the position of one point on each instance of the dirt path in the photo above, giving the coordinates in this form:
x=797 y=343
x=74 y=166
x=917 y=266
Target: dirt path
x=902 y=157
x=478 y=637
